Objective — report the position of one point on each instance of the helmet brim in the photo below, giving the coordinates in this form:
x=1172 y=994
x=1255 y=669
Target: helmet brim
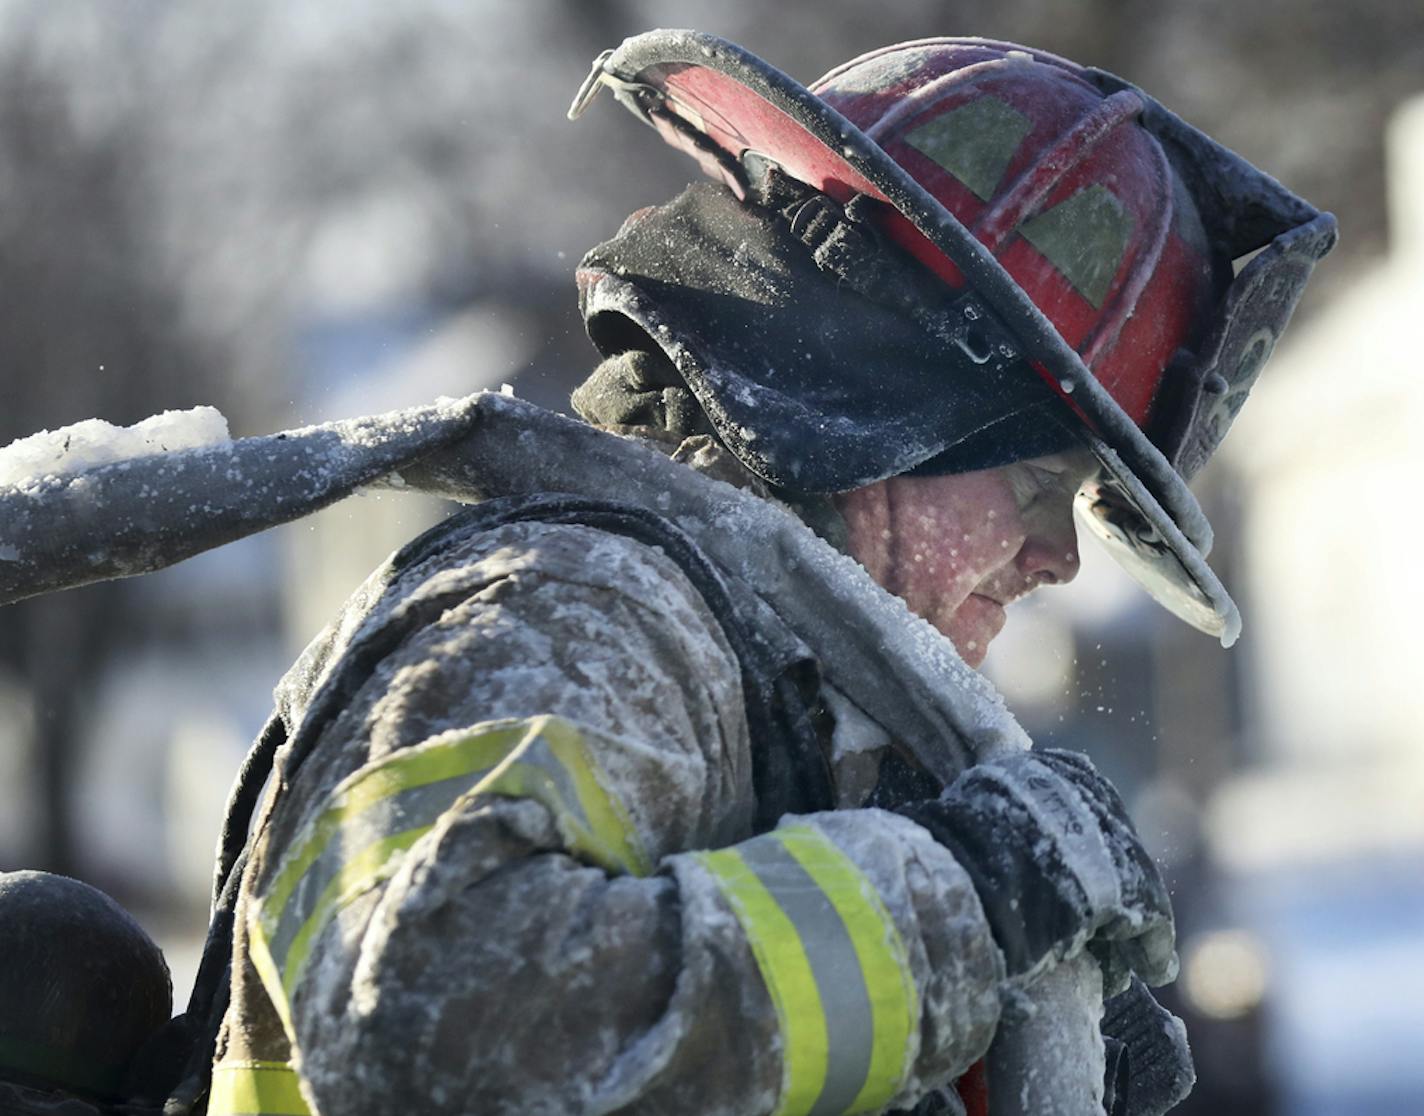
x=1117 y=511
x=719 y=103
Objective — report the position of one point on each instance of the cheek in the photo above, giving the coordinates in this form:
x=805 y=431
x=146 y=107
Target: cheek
x=867 y=520
x=971 y=546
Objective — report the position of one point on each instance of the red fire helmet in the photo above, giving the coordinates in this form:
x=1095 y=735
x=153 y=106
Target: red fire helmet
x=1096 y=229
x=1078 y=203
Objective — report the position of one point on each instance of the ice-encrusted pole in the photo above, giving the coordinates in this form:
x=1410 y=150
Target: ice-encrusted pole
x=111 y=515
x=1047 y=1057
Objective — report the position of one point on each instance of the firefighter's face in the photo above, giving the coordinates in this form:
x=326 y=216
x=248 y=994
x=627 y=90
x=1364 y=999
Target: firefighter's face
x=957 y=549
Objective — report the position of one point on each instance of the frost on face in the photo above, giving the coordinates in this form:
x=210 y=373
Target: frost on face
x=84 y=445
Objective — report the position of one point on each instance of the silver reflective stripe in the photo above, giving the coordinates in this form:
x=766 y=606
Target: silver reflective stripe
x=407 y=809
x=376 y=815
x=541 y=756
x=850 y=1025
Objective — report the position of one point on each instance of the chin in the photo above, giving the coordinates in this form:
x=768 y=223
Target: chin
x=963 y=635
x=974 y=656
x=972 y=627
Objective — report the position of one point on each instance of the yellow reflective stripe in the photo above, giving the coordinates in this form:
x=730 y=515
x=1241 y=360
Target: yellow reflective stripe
x=256 y=1089
x=374 y=863
x=787 y=972
x=423 y=765
x=834 y=964
x=426 y=763
x=884 y=960
x=260 y=954
x=595 y=824
x=607 y=816
x=353 y=844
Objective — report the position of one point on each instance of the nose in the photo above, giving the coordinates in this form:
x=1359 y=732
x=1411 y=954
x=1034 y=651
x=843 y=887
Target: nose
x=1049 y=555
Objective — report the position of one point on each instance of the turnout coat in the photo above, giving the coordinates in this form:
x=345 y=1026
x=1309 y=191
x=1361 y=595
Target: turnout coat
x=568 y=819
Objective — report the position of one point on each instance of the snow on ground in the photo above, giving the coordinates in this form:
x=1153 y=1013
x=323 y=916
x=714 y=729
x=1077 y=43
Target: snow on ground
x=92 y=442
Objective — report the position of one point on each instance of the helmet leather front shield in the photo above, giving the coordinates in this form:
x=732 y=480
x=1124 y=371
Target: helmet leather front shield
x=717 y=102
x=1116 y=511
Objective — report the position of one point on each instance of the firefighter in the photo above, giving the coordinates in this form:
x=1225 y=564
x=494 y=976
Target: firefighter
x=581 y=825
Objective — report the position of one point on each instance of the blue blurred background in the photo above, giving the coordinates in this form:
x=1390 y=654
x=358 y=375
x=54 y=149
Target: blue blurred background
x=299 y=211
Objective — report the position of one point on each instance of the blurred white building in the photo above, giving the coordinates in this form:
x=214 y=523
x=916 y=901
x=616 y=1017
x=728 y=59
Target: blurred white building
x=1331 y=462
x=1325 y=837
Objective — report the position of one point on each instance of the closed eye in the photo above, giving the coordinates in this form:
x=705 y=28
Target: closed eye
x=1030 y=482
x=1044 y=476
x=1061 y=474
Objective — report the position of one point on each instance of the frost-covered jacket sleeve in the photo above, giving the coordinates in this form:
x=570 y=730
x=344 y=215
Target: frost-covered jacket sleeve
x=536 y=889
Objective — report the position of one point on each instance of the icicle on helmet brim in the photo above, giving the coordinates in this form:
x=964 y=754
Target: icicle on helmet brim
x=732 y=112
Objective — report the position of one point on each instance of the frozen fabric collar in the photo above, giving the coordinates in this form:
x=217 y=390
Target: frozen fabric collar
x=641 y=389
x=815 y=386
